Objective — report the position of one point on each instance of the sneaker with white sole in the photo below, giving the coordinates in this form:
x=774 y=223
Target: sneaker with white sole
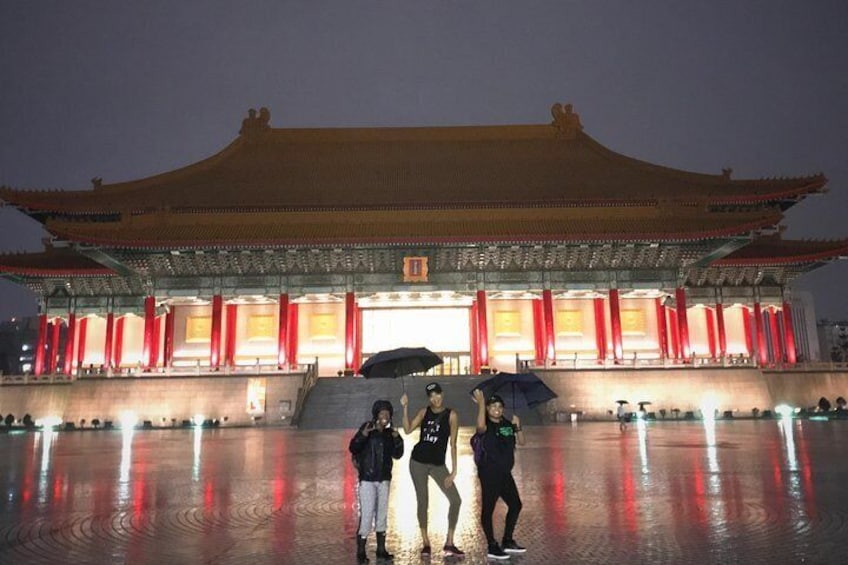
x=510 y=546
x=452 y=550
x=495 y=552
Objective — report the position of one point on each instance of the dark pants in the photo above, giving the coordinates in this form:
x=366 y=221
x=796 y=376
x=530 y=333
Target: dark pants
x=495 y=485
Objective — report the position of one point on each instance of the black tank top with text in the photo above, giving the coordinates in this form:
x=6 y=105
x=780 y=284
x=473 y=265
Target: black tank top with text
x=433 y=441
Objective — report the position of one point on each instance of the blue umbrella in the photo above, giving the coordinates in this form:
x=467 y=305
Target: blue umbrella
x=518 y=390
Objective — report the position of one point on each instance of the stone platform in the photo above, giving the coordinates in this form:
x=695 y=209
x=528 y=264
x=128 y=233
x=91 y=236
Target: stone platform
x=762 y=491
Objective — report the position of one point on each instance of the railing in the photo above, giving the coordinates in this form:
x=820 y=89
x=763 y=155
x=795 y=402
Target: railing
x=33 y=380
x=309 y=380
x=694 y=363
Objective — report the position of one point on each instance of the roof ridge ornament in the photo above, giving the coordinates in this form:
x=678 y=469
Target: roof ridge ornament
x=253 y=123
x=566 y=121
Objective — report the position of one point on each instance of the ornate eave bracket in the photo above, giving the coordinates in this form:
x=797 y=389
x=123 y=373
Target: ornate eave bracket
x=566 y=121
x=254 y=123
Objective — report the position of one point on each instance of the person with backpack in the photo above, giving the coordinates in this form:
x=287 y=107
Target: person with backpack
x=494 y=453
x=438 y=425
x=373 y=447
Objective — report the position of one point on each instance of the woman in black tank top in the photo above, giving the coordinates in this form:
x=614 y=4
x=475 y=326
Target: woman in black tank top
x=439 y=426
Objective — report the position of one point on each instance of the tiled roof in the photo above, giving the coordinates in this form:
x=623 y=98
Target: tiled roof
x=774 y=250
x=635 y=223
x=369 y=168
x=52 y=261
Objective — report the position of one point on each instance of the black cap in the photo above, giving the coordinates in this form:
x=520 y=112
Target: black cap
x=493 y=399
x=433 y=387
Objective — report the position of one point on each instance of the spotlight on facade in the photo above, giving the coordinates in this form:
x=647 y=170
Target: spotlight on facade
x=128 y=419
x=784 y=410
x=197 y=419
x=49 y=422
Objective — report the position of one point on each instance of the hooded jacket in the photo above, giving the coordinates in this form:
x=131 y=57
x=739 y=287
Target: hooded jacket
x=373 y=454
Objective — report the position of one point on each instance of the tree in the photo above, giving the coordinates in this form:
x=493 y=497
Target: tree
x=10 y=419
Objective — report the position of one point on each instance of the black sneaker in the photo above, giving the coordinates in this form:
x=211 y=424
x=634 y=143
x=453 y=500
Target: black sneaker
x=495 y=552
x=452 y=550
x=425 y=551
x=511 y=547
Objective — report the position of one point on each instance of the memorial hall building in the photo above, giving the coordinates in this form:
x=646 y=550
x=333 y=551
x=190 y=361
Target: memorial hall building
x=498 y=247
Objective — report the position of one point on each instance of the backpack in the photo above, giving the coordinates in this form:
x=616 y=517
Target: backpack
x=479 y=448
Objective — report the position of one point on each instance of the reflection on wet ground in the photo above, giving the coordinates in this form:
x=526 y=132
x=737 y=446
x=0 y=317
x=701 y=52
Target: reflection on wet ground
x=766 y=491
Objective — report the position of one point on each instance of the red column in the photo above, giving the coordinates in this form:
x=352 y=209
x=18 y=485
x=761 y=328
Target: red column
x=107 y=348
x=230 y=338
x=147 y=359
x=118 y=346
x=674 y=332
x=157 y=338
x=662 y=333
x=722 y=333
x=350 y=330
x=762 y=350
x=41 y=345
x=482 y=330
x=472 y=328
x=600 y=330
x=215 y=342
x=168 y=347
x=83 y=328
x=357 y=346
x=777 y=350
x=789 y=334
x=711 y=332
x=292 y=334
x=539 y=330
x=282 y=332
x=550 y=337
x=683 y=323
x=615 y=325
x=68 y=367
x=53 y=359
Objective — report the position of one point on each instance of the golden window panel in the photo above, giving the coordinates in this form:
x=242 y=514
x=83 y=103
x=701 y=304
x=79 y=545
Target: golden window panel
x=322 y=326
x=198 y=329
x=261 y=327
x=569 y=322
x=633 y=322
x=507 y=323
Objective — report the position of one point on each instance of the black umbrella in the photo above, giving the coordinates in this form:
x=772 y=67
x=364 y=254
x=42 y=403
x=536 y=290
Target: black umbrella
x=399 y=362
x=518 y=390
x=622 y=402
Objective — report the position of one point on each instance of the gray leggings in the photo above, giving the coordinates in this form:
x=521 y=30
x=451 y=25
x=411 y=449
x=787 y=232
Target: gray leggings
x=420 y=472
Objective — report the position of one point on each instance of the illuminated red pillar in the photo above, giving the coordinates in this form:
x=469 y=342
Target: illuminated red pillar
x=69 y=344
x=475 y=349
x=292 y=334
x=749 y=340
x=147 y=359
x=539 y=330
x=674 y=332
x=722 y=333
x=615 y=325
x=83 y=329
x=107 y=348
x=600 y=330
x=157 y=338
x=762 y=350
x=789 y=334
x=282 y=332
x=683 y=323
x=215 y=342
x=168 y=347
x=777 y=351
x=482 y=330
x=550 y=337
x=662 y=332
x=230 y=338
x=118 y=345
x=711 y=332
x=53 y=359
x=41 y=345
x=357 y=345
x=350 y=331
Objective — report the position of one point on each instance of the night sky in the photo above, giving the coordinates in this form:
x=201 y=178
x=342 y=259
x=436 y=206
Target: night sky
x=126 y=90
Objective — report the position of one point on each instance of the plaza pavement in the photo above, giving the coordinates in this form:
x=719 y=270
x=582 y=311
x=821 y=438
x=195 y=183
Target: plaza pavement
x=763 y=491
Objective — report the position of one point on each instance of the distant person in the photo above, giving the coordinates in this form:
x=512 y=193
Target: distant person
x=623 y=417
x=438 y=425
x=496 y=438
x=374 y=446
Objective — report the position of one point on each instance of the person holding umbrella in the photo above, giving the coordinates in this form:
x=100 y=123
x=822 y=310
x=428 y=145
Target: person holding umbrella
x=438 y=426
x=494 y=469
x=622 y=415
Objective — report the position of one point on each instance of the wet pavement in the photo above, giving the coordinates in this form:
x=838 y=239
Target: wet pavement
x=763 y=491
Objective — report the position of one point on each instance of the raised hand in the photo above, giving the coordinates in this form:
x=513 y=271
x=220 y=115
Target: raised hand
x=368 y=428
x=404 y=400
x=515 y=420
x=477 y=395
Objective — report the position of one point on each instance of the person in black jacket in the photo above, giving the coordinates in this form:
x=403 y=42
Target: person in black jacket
x=374 y=446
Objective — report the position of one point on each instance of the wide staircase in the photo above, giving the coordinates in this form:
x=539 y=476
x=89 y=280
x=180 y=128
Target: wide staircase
x=345 y=402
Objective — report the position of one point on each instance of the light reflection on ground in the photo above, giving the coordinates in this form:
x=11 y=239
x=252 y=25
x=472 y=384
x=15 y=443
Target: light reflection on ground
x=667 y=492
